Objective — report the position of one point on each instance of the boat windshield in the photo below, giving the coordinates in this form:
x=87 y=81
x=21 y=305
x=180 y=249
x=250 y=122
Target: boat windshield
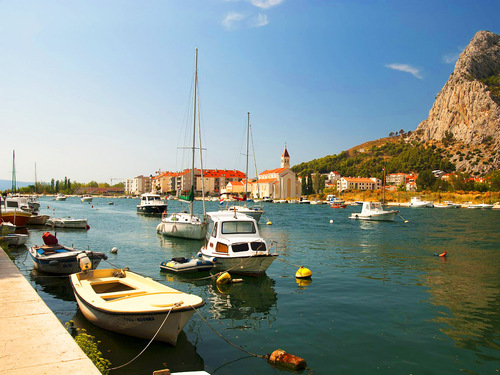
x=238 y=227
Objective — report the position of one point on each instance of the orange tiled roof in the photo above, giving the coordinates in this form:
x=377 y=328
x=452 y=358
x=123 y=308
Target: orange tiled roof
x=359 y=179
x=277 y=170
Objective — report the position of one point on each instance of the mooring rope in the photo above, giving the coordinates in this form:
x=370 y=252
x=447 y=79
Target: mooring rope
x=226 y=340
x=150 y=341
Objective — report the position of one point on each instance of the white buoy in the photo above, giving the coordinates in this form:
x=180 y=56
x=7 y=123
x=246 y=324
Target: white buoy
x=331 y=221
x=114 y=250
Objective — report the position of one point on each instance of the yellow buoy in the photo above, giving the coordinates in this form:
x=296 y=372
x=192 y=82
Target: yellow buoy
x=224 y=278
x=303 y=273
x=269 y=223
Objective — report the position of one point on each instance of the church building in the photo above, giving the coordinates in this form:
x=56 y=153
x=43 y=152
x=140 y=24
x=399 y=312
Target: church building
x=279 y=183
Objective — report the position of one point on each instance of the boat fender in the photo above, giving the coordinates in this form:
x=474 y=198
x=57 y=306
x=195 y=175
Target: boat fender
x=54 y=263
x=224 y=278
x=281 y=358
x=303 y=273
x=87 y=227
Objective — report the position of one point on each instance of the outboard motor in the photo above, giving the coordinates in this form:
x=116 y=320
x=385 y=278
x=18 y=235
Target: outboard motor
x=84 y=262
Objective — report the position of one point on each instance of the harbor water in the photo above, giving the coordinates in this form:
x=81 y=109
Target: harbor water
x=379 y=300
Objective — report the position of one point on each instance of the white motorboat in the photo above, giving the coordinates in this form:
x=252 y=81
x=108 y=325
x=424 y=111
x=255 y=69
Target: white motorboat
x=374 y=211
x=125 y=302
x=60 y=197
x=66 y=222
x=14 y=239
x=186 y=224
x=151 y=204
x=416 y=202
x=86 y=198
x=235 y=245
x=447 y=204
x=481 y=206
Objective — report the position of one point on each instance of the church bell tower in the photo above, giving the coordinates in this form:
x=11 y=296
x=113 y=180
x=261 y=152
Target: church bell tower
x=285 y=159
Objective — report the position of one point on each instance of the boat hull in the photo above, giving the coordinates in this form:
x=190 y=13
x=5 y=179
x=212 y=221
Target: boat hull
x=15 y=239
x=249 y=266
x=141 y=325
x=67 y=223
x=38 y=219
x=133 y=305
x=62 y=265
x=152 y=209
x=17 y=217
x=194 y=231
x=184 y=265
x=386 y=216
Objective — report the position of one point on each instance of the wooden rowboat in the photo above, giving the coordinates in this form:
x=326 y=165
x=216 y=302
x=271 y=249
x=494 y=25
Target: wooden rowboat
x=127 y=303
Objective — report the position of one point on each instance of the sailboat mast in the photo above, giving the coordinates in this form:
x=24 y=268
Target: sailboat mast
x=194 y=124
x=14 y=187
x=246 y=172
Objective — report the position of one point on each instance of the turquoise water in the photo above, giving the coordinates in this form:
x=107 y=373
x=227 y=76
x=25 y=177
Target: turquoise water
x=379 y=301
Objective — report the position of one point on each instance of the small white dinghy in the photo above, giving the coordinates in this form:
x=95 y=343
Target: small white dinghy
x=182 y=264
x=124 y=302
x=14 y=239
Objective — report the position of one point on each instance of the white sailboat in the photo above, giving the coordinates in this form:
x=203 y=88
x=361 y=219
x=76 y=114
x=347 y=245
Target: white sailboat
x=255 y=212
x=186 y=224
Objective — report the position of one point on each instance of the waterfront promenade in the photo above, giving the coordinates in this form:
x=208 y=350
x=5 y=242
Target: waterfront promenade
x=32 y=339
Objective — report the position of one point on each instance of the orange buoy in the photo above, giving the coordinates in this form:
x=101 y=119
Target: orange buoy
x=443 y=254
x=281 y=358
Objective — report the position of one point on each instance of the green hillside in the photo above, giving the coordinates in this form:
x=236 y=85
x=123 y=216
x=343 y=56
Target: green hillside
x=368 y=159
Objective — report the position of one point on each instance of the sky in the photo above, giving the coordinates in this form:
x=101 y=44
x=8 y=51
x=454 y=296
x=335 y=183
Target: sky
x=103 y=90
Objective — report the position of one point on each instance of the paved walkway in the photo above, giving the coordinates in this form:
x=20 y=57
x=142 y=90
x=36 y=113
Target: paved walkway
x=32 y=339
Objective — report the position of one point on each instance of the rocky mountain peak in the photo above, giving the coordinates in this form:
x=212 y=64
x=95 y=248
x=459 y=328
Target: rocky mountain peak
x=466 y=112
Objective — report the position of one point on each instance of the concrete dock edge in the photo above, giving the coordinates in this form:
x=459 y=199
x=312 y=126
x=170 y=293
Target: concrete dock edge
x=32 y=339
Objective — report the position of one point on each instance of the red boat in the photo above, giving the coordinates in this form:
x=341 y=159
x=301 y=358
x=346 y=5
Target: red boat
x=15 y=216
x=338 y=205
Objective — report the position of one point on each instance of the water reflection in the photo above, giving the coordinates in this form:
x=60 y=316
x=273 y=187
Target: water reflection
x=53 y=285
x=250 y=301
x=465 y=288
x=119 y=349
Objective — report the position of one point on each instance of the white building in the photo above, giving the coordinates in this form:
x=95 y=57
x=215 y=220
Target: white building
x=138 y=185
x=279 y=183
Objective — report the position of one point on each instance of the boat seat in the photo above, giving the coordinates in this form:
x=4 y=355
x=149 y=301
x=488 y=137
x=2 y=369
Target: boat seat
x=50 y=249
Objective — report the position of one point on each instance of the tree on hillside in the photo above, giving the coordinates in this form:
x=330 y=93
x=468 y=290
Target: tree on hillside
x=425 y=180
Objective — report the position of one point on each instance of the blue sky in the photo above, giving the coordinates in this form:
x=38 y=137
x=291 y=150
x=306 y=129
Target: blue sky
x=95 y=90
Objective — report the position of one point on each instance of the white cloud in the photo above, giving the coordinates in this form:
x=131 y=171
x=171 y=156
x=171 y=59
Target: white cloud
x=406 y=68
x=232 y=19
x=452 y=57
x=260 y=20
x=266 y=4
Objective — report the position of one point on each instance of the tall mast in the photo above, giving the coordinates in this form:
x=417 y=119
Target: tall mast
x=246 y=172
x=14 y=187
x=194 y=124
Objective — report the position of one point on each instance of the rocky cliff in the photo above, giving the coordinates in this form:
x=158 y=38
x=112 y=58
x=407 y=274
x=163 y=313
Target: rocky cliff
x=465 y=117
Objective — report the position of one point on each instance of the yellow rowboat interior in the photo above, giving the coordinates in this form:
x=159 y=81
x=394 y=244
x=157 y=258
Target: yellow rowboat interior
x=128 y=303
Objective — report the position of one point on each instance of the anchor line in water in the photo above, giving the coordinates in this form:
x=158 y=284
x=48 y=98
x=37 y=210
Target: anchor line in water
x=150 y=341
x=226 y=340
